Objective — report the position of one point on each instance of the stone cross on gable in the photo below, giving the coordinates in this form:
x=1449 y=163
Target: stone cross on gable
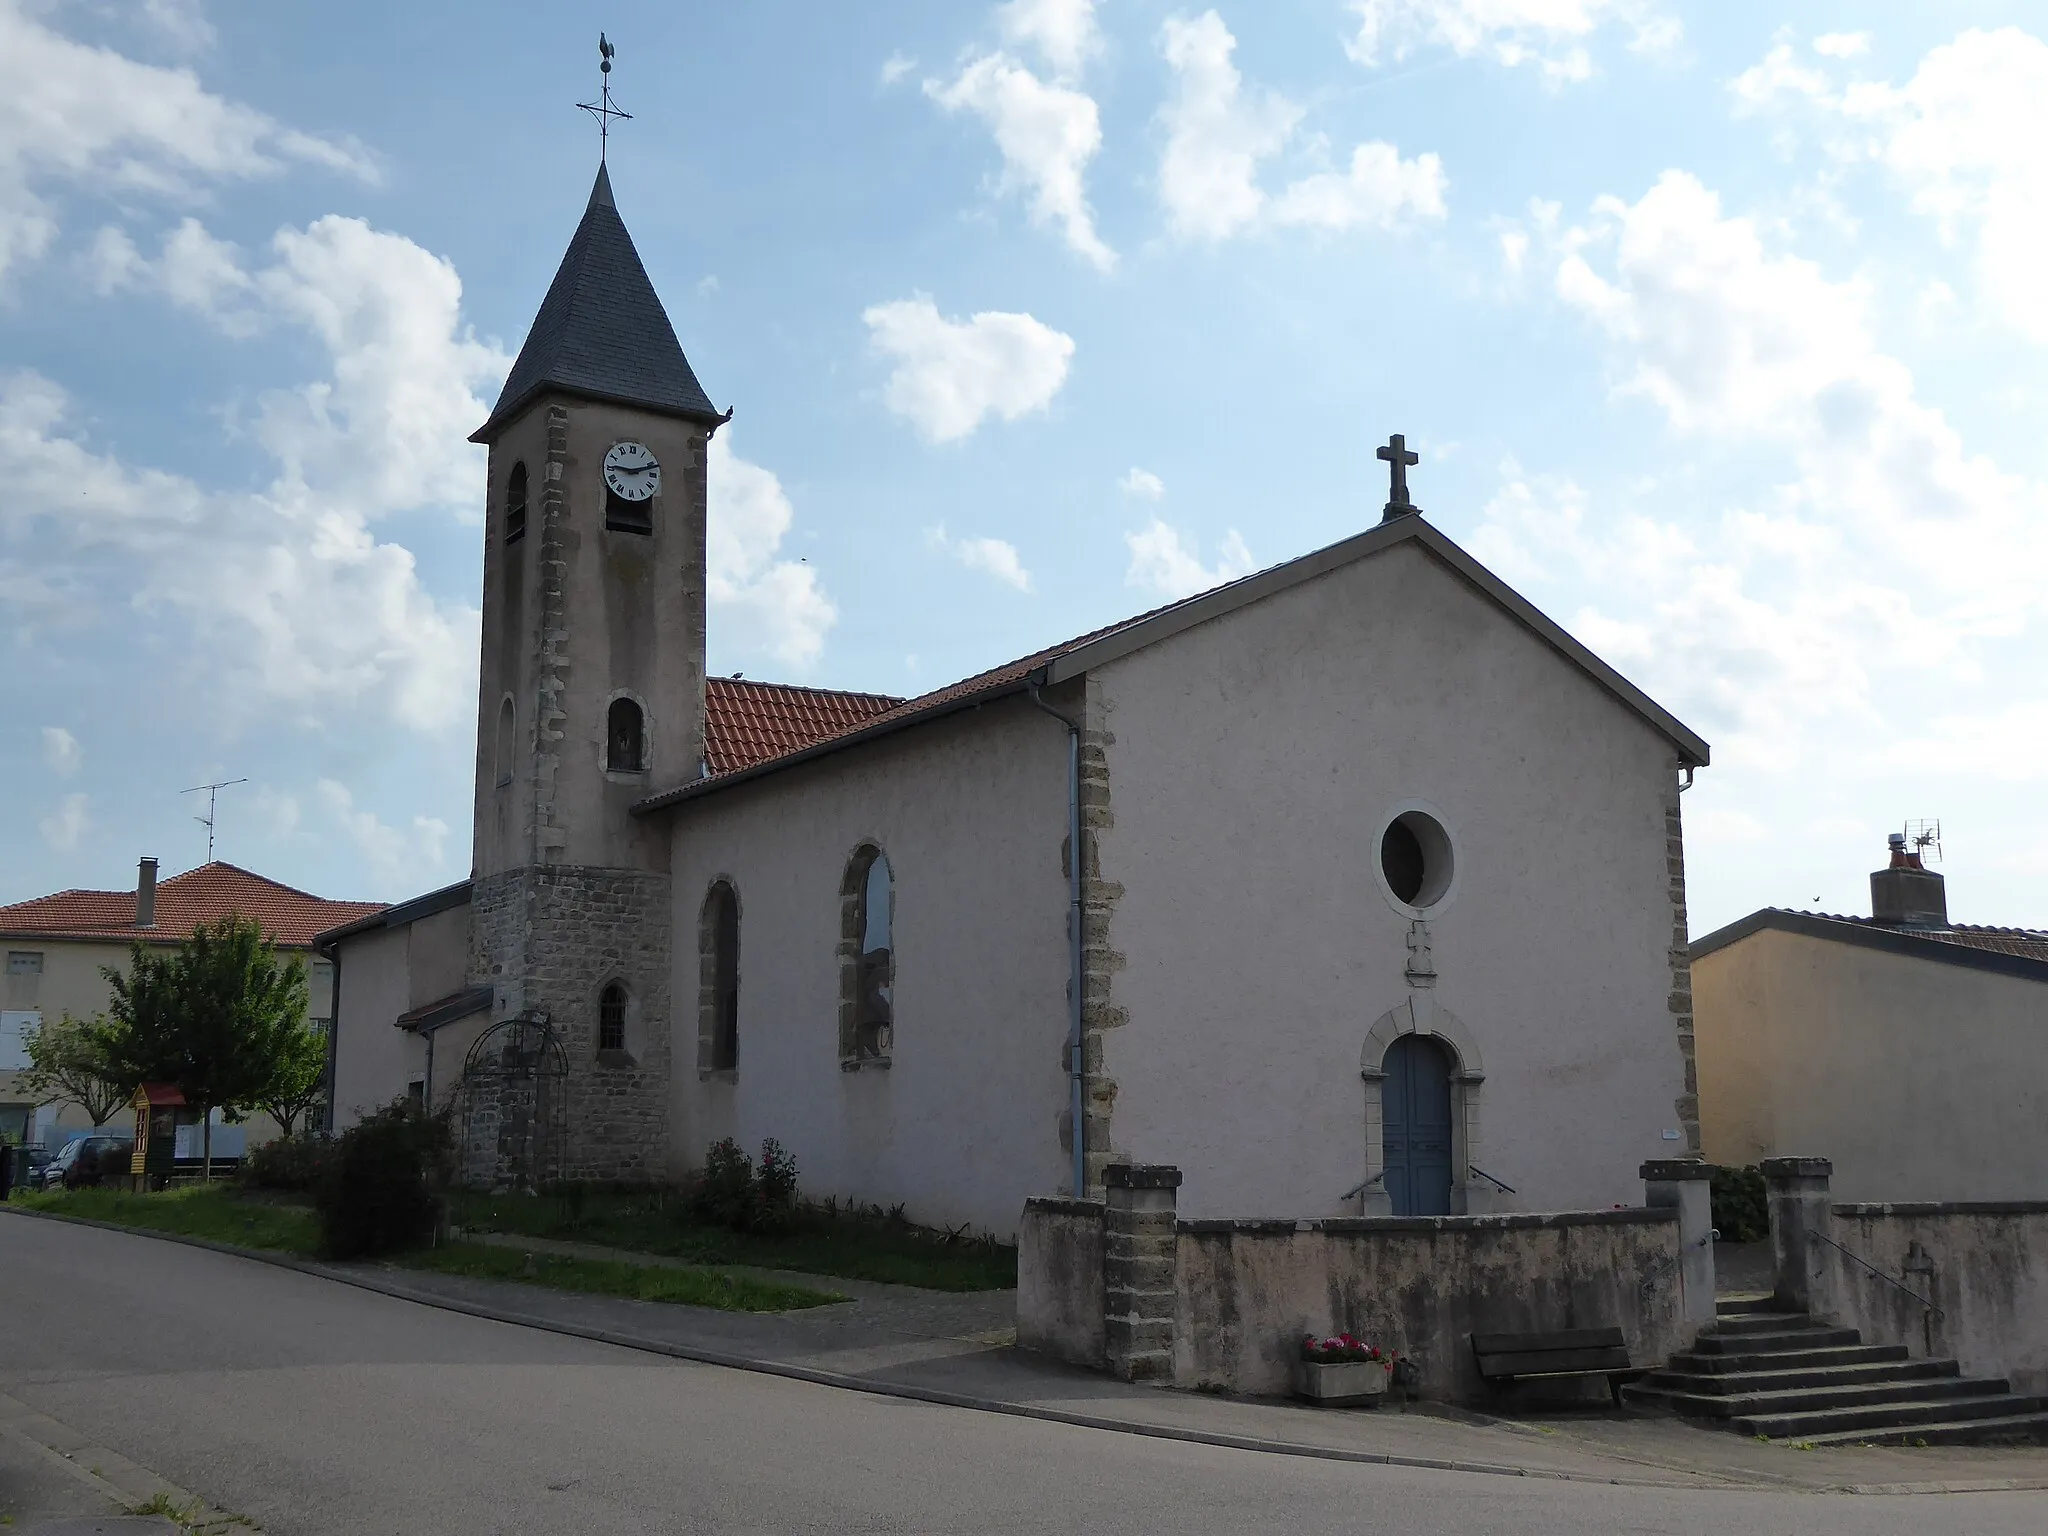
x=1398 y=458
x=1421 y=967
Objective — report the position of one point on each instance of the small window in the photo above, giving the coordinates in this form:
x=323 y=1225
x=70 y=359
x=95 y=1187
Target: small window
x=625 y=738
x=867 y=1003
x=24 y=962
x=515 y=504
x=508 y=732
x=611 y=1018
x=416 y=1093
x=1416 y=860
x=623 y=516
x=719 y=994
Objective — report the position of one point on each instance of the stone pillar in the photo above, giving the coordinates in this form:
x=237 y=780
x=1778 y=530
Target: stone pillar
x=1138 y=1269
x=1800 y=1213
x=1684 y=1185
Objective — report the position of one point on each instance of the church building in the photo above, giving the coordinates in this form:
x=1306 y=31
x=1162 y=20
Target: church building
x=1353 y=886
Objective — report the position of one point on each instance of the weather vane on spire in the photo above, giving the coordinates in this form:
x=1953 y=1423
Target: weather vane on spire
x=602 y=109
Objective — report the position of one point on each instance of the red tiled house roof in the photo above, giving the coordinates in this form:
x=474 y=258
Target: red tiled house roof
x=203 y=895
x=747 y=723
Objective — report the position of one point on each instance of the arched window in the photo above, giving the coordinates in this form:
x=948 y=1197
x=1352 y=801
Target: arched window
x=515 y=504
x=867 y=960
x=611 y=1018
x=718 y=1008
x=625 y=738
x=507 y=745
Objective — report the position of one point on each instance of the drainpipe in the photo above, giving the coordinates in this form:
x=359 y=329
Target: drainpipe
x=1076 y=1070
x=331 y=953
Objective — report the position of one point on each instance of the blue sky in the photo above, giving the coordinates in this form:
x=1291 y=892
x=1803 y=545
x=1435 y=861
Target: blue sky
x=1720 y=330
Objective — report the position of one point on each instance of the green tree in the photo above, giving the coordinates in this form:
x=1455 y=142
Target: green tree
x=298 y=1080
x=68 y=1062
x=210 y=1018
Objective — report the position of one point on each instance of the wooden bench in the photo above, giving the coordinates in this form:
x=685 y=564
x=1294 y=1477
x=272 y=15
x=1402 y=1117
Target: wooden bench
x=1507 y=1357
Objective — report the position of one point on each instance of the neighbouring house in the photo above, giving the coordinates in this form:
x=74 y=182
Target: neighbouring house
x=1354 y=885
x=55 y=948
x=1909 y=1050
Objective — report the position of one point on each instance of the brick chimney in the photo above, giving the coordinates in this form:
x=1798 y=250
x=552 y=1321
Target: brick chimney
x=1907 y=894
x=145 y=893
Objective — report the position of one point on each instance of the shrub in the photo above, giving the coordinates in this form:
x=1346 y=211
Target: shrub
x=1742 y=1213
x=378 y=1192
x=290 y=1163
x=730 y=1193
x=775 y=1188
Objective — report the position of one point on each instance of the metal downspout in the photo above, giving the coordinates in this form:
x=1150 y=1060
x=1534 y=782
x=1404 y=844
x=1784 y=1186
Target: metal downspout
x=332 y=954
x=1077 y=1076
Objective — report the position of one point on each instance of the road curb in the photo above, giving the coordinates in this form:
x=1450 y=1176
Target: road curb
x=811 y=1374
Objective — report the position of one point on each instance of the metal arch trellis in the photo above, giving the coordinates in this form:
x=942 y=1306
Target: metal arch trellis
x=515 y=1105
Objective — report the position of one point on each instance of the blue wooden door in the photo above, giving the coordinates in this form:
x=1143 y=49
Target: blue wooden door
x=1415 y=1101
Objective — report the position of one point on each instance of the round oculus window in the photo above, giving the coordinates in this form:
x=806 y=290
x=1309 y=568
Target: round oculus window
x=1415 y=859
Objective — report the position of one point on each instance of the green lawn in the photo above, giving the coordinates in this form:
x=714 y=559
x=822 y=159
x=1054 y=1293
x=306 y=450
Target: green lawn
x=855 y=1247
x=217 y=1211
x=225 y=1214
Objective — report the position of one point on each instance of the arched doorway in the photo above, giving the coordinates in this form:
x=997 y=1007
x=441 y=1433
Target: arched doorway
x=1415 y=1104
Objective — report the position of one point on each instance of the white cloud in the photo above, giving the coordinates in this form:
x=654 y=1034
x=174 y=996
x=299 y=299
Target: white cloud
x=63 y=827
x=1143 y=484
x=60 y=751
x=1807 y=612
x=181 y=23
x=1219 y=135
x=1380 y=189
x=1967 y=135
x=996 y=557
x=396 y=856
x=1047 y=132
x=1842 y=45
x=1548 y=34
x=1064 y=32
x=759 y=603
x=896 y=67
x=1161 y=561
x=287 y=587
x=77 y=115
x=948 y=376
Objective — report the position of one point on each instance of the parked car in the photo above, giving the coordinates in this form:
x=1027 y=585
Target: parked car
x=38 y=1160
x=77 y=1166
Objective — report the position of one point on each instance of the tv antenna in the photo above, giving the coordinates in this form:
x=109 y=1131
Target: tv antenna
x=1923 y=836
x=602 y=109
x=212 y=798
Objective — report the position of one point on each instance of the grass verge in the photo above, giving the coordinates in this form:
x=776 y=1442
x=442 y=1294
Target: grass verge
x=855 y=1246
x=225 y=1215
x=212 y=1211
x=602 y=1277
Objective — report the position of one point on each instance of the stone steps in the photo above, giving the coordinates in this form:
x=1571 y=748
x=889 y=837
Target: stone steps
x=1781 y=1375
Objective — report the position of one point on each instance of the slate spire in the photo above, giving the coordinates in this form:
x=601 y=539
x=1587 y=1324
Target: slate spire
x=601 y=333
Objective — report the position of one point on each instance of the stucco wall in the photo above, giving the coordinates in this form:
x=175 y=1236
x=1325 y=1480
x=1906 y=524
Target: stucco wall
x=1247 y=1291
x=1059 y=1280
x=1919 y=1080
x=1251 y=765
x=1985 y=1265
x=967 y=1121
x=373 y=1060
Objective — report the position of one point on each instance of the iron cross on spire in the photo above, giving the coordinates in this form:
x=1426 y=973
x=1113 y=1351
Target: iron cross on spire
x=602 y=109
x=1398 y=459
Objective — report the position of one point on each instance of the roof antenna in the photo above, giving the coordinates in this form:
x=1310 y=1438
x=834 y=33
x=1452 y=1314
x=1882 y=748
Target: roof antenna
x=602 y=109
x=212 y=796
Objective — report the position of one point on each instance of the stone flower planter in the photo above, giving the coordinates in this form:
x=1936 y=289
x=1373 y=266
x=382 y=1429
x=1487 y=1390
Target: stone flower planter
x=1346 y=1384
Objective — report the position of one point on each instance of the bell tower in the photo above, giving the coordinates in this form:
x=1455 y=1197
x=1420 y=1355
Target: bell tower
x=591 y=683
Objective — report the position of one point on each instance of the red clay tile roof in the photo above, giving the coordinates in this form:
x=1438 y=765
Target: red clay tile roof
x=203 y=895
x=748 y=723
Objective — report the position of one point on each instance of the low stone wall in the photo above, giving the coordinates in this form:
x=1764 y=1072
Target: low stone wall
x=1059 y=1280
x=1247 y=1291
x=1984 y=1265
x=1122 y=1285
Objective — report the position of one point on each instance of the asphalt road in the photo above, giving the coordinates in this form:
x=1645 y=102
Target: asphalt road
x=318 y=1409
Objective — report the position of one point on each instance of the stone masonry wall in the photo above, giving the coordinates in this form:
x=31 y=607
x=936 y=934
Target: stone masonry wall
x=550 y=939
x=1688 y=1104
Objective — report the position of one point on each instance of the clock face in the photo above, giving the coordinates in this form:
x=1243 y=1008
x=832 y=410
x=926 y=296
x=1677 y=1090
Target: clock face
x=631 y=471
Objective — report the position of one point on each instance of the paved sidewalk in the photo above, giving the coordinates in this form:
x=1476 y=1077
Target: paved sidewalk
x=956 y=1349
